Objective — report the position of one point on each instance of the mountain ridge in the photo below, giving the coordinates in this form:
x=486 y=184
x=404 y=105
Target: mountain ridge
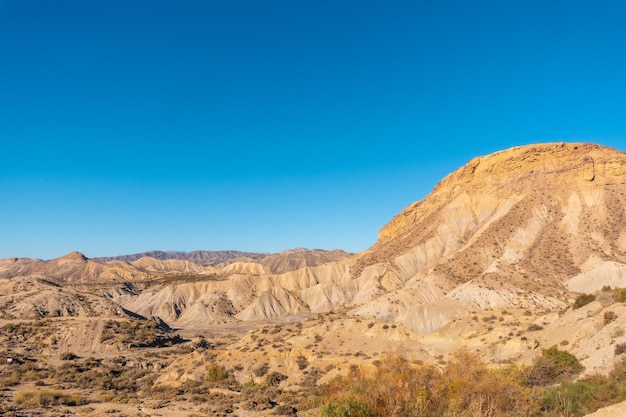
x=202 y=257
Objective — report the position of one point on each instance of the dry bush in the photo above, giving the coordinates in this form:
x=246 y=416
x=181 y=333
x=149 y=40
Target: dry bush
x=468 y=388
x=24 y=370
x=302 y=362
x=274 y=379
x=112 y=375
x=609 y=316
x=261 y=370
x=285 y=410
x=398 y=388
x=46 y=398
x=8 y=379
x=620 y=348
x=68 y=356
x=583 y=300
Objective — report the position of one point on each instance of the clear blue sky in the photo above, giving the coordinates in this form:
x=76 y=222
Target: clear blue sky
x=127 y=126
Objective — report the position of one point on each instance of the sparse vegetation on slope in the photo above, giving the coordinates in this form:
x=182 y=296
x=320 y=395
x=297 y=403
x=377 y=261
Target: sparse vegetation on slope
x=137 y=333
x=468 y=388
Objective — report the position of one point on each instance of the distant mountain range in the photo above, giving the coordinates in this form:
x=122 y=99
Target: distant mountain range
x=201 y=257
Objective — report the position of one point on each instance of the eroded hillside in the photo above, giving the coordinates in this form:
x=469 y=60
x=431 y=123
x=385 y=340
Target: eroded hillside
x=493 y=262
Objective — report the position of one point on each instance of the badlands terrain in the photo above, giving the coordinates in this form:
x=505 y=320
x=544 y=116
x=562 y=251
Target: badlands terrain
x=514 y=257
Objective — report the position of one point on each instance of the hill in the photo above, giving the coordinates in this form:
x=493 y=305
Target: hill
x=509 y=255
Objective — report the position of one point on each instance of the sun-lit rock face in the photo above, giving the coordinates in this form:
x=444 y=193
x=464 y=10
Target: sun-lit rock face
x=541 y=208
x=517 y=228
x=529 y=169
x=518 y=170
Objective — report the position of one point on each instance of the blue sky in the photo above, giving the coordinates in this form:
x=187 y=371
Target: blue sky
x=128 y=126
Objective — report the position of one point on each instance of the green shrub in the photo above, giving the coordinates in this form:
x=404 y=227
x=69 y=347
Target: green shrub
x=552 y=366
x=215 y=373
x=567 y=399
x=619 y=294
x=347 y=407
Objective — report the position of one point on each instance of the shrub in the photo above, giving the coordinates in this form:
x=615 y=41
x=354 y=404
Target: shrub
x=215 y=373
x=346 y=407
x=620 y=348
x=261 y=370
x=68 y=356
x=583 y=300
x=398 y=388
x=468 y=388
x=552 y=366
x=567 y=400
x=285 y=410
x=609 y=316
x=620 y=295
x=274 y=378
x=302 y=362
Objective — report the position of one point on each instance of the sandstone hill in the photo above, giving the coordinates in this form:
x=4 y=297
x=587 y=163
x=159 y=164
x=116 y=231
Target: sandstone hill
x=73 y=267
x=518 y=228
x=293 y=259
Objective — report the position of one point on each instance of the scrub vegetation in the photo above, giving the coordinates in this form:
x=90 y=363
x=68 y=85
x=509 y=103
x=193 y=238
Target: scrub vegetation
x=467 y=387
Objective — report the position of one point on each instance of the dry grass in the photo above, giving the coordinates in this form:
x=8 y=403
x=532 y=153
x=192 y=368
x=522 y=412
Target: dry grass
x=46 y=398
